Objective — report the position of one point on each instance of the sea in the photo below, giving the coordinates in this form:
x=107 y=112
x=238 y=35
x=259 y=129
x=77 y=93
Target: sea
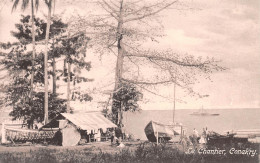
x=227 y=120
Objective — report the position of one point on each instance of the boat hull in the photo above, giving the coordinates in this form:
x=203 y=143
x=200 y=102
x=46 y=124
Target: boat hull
x=204 y=114
x=162 y=131
x=217 y=139
x=23 y=135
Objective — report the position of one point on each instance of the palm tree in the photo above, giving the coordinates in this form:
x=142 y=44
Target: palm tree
x=25 y=4
x=49 y=5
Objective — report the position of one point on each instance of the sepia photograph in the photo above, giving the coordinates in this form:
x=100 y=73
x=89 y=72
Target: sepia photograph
x=133 y=81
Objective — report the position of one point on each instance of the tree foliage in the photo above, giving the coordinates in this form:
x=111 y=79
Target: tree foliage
x=19 y=64
x=73 y=49
x=126 y=98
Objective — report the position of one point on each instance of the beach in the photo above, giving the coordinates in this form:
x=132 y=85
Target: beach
x=228 y=119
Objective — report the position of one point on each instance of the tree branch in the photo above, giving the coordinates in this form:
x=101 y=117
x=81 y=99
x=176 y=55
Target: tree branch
x=180 y=63
x=112 y=12
x=146 y=83
x=151 y=13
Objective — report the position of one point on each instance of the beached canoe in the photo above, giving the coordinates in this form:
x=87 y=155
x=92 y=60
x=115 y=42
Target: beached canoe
x=165 y=132
x=215 y=138
x=23 y=135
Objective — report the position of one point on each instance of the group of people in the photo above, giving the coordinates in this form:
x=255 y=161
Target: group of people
x=92 y=135
x=203 y=139
x=117 y=136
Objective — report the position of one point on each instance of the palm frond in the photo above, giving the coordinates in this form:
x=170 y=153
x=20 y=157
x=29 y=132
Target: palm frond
x=16 y=2
x=47 y=2
x=25 y=4
x=36 y=4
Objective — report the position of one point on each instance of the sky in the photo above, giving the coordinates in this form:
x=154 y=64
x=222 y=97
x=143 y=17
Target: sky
x=226 y=30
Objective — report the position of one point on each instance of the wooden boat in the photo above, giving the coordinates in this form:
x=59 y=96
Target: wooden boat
x=23 y=135
x=164 y=132
x=202 y=112
x=253 y=135
x=218 y=139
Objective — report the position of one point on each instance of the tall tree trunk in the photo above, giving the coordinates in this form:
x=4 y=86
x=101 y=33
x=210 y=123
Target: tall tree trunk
x=46 y=64
x=33 y=57
x=120 y=57
x=33 y=48
x=68 y=86
x=120 y=60
x=120 y=116
x=64 y=67
x=54 y=77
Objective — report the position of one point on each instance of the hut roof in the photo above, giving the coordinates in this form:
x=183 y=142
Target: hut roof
x=84 y=121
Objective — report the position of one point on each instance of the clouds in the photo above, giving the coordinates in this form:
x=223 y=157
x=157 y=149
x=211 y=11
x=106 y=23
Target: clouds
x=228 y=31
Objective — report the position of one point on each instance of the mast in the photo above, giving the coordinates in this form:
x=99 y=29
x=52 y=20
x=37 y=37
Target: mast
x=174 y=94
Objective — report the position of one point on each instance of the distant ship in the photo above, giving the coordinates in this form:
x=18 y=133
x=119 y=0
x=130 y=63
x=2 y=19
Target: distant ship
x=202 y=112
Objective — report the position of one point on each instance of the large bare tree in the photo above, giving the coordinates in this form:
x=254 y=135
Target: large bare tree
x=122 y=27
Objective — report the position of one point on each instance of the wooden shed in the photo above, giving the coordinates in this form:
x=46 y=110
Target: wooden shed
x=70 y=126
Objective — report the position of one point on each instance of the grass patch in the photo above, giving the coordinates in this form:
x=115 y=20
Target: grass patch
x=151 y=153
x=143 y=152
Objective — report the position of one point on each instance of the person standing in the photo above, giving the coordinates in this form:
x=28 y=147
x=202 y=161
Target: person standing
x=207 y=134
x=203 y=137
x=112 y=136
x=98 y=135
x=195 y=135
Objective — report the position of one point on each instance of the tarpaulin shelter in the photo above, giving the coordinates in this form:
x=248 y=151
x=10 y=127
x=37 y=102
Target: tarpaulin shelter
x=70 y=125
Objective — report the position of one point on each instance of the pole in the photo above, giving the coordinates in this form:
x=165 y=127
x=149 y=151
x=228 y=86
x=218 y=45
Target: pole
x=157 y=137
x=174 y=100
x=174 y=94
x=3 y=133
x=68 y=86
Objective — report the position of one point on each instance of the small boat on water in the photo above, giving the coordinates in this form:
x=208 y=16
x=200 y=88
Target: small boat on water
x=202 y=112
x=164 y=132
